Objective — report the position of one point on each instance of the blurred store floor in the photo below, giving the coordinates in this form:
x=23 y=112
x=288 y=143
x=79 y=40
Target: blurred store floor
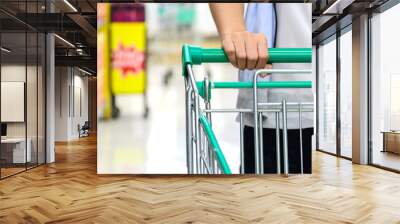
x=131 y=144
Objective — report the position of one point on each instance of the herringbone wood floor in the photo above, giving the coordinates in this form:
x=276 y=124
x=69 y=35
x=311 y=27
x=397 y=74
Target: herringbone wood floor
x=69 y=191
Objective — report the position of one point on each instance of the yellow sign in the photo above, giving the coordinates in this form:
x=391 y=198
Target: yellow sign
x=128 y=57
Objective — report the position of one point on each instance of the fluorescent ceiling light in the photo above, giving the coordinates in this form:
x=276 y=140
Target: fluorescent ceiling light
x=5 y=49
x=70 y=5
x=64 y=40
x=84 y=71
x=331 y=7
x=337 y=7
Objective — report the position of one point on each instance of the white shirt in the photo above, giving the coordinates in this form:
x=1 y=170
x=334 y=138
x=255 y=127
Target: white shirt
x=294 y=30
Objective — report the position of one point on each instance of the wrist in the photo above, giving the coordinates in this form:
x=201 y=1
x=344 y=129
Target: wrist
x=233 y=31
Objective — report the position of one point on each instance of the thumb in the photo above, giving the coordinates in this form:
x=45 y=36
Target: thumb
x=267 y=66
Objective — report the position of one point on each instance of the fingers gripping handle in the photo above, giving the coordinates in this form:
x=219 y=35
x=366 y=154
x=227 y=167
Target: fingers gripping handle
x=196 y=55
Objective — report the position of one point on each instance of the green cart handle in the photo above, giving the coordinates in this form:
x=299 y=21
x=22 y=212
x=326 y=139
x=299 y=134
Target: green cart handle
x=269 y=85
x=195 y=55
x=201 y=86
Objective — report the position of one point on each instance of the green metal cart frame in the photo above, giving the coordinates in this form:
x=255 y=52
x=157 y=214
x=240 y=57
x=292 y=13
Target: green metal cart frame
x=203 y=152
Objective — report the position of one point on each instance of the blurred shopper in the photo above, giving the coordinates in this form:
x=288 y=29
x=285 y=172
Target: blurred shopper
x=245 y=38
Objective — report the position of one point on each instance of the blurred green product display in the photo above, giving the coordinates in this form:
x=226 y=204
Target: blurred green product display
x=186 y=14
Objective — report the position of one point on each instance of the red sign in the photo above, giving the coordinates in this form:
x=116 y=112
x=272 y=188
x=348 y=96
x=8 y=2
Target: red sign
x=128 y=59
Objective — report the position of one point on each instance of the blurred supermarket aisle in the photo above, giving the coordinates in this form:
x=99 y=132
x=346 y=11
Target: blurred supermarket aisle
x=128 y=142
x=132 y=144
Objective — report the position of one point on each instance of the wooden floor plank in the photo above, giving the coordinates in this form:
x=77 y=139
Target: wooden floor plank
x=70 y=191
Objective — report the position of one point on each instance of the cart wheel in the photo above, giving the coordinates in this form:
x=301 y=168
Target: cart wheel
x=146 y=112
x=115 y=112
x=167 y=77
x=209 y=74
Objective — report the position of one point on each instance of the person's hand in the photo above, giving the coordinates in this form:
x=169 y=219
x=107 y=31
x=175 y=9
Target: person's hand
x=246 y=50
x=267 y=66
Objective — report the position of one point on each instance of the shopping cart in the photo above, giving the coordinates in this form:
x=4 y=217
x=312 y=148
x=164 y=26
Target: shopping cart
x=203 y=152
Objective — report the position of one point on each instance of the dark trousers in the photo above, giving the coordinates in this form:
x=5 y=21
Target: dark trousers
x=269 y=143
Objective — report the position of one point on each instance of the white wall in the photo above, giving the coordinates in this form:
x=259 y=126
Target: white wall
x=80 y=94
x=33 y=126
x=12 y=100
x=82 y=82
x=71 y=87
x=14 y=72
x=62 y=81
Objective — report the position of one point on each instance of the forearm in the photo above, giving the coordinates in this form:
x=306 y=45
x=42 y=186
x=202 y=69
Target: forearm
x=228 y=17
x=244 y=49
